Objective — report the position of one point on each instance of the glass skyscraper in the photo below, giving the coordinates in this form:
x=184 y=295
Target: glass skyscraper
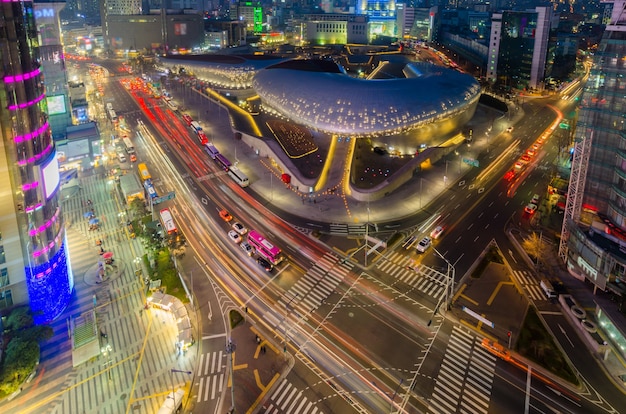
x=34 y=261
x=594 y=231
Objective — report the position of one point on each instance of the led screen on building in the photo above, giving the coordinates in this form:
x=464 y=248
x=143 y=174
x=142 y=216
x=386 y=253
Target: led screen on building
x=56 y=104
x=50 y=176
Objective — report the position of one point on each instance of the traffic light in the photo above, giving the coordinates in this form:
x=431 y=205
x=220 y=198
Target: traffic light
x=509 y=334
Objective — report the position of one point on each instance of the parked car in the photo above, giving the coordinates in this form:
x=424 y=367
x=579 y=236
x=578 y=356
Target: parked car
x=436 y=232
x=530 y=208
x=424 y=244
x=225 y=215
x=239 y=228
x=234 y=236
x=265 y=264
x=245 y=246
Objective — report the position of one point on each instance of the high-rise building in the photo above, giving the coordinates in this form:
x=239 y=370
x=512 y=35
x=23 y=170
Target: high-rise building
x=34 y=260
x=518 y=47
x=382 y=17
x=593 y=239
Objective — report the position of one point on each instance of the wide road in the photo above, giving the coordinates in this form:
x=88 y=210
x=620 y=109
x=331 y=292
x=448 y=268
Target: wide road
x=394 y=311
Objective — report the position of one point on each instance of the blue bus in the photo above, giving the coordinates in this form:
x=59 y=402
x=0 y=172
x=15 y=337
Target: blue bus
x=223 y=161
x=150 y=189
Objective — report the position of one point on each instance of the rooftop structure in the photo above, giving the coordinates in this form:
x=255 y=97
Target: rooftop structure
x=319 y=95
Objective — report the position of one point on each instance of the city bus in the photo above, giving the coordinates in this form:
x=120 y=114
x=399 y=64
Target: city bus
x=143 y=172
x=211 y=150
x=196 y=126
x=239 y=177
x=188 y=120
x=112 y=115
x=264 y=248
x=223 y=161
x=128 y=146
x=150 y=189
x=167 y=221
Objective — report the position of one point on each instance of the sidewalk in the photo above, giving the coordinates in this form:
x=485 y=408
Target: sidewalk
x=614 y=364
x=258 y=363
x=133 y=370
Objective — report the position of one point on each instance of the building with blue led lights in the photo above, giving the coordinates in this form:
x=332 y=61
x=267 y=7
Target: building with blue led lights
x=34 y=261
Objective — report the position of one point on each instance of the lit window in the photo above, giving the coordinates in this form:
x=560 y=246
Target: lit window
x=4 y=277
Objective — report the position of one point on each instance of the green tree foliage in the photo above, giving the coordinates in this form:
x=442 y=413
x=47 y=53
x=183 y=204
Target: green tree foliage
x=22 y=352
x=138 y=207
x=536 y=249
x=18 y=319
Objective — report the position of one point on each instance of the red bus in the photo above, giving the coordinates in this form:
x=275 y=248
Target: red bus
x=168 y=221
x=264 y=248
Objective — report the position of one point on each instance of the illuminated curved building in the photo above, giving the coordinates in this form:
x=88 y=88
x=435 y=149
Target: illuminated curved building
x=225 y=71
x=318 y=94
x=34 y=261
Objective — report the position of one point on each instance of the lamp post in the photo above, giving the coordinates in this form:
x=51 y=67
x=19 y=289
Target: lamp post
x=284 y=324
x=449 y=279
x=172 y=371
x=367 y=227
x=230 y=349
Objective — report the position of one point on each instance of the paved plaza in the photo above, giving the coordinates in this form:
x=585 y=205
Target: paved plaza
x=133 y=374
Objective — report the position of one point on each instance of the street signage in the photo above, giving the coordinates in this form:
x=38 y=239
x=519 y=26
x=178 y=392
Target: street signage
x=168 y=196
x=471 y=161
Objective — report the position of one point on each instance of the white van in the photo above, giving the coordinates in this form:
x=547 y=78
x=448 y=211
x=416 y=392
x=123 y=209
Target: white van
x=121 y=157
x=548 y=289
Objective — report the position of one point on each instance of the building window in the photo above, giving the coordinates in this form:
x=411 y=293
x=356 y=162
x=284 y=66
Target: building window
x=4 y=277
x=6 y=299
x=3 y=259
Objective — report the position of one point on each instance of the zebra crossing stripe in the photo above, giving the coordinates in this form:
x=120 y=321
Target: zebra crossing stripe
x=289 y=396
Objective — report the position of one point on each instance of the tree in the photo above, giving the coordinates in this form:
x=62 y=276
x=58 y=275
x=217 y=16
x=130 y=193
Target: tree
x=535 y=248
x=18 y=319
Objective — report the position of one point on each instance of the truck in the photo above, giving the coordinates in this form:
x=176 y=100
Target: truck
x=131 y=188
x=547 y=288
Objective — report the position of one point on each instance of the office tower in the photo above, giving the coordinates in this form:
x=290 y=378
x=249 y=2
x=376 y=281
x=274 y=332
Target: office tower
x=34 y=261
x=382 y=17
x=518 y=47
x=593 y=239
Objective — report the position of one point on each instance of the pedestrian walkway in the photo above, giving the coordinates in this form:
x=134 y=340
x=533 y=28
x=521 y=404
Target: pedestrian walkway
x=289 y=399
x=311 y=290
x=210 y=375
x=425 y=279
x=530 y=285
x=133 y=370
x=465 y=379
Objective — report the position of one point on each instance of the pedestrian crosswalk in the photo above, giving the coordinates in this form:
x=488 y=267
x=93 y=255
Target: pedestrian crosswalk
x=425 y=279
x=465 y=378
x=530 y=284
x=211 y=375
x=312 y=289
x=288 y=399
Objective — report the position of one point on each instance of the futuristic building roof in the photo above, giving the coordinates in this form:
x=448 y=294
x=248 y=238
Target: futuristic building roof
x=229 y=71
x=318 y=94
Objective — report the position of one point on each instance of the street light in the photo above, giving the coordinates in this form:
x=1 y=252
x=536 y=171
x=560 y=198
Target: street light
x=172 y=371
x=449 y=279
x=230 y=349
